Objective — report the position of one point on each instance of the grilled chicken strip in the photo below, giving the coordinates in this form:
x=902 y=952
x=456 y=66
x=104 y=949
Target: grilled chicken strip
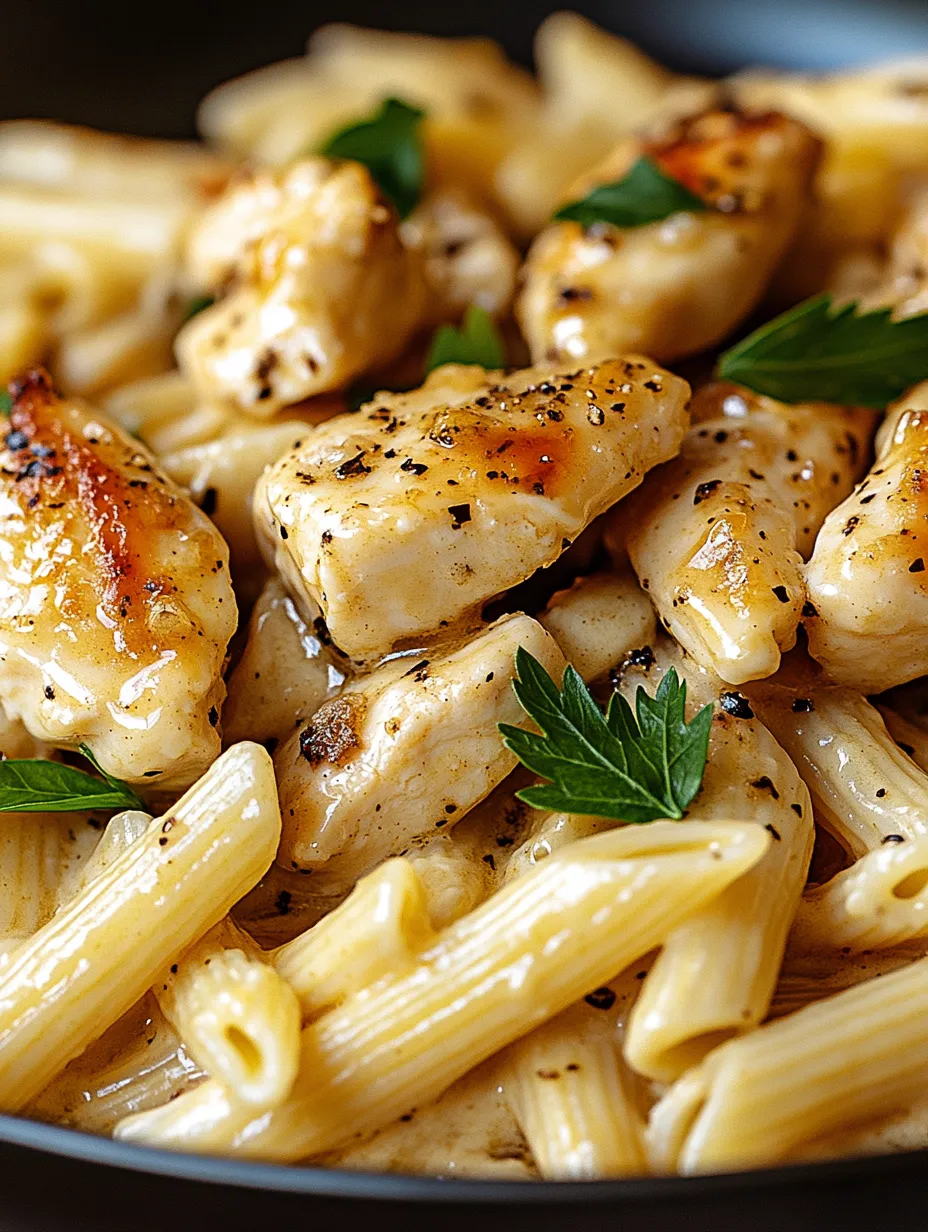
x=323 y=287
x=718 y=535
x=403 y=752
x=115 y=601
x=404 y=519
x=868 y=618
x=674 y=287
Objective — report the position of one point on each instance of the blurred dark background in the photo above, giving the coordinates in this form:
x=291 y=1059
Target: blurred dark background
x=143 y=67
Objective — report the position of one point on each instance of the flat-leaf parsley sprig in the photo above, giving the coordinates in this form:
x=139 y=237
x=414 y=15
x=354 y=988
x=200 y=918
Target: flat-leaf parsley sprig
x=626 y=765
x=818 y=353
x=390 y=146
x=477 y=341
x=643 y=195
x=34 y=785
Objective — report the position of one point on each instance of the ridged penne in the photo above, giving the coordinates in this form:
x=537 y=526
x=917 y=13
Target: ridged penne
x=529 y=952
x=864 y=787
x=88 y=964
x=880 y=901
x=573 y=1095
x=238 y=1019
x=854 y=1056
x=717 y=971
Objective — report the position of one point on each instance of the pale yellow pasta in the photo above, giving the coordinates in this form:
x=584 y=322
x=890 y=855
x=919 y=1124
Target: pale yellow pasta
x=574 y=1098
x=239 y=1020
x=522 y=957
x=911 y=738
x=378 y=930
x=857 y=1055
x=863 y=786
x=138 y=1063
x=716 y=974
x=87 y=965
x=880 y=901
x=120 y=833
x=38 y=854
x=163 y=412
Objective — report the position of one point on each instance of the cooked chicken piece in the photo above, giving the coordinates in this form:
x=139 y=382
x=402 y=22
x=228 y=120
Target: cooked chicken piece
x=288 y=669
x=406 y=518
x=675 y=287
x=323 y=290
x=402 y=752
x=221 y=475
x=115 y=601
x=600 y=620
x=468 y=258
x=718 y=535
x=868 y=597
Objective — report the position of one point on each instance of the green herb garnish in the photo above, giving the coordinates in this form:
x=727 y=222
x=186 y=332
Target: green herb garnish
x=6 y=402
x=642 y=196
x=197 y=304
x=818 y=353
x=626 y=766
x=476 y=342
x=389 y=146
x=35 y=785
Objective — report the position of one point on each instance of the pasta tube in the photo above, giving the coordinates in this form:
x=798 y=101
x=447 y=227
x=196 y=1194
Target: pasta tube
x=239 y=1020
x=574 y=1099
x=138 y=1063
x=716 y=974
x=38 y=856
x=880 y=901
x=864 y=787
x=378 y=929
x=530 y=951
x=860 y=1054
x=88 y=964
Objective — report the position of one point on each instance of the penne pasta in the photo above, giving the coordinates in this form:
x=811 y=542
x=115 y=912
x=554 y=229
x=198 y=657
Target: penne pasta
x=526 y=954
x=855 y=1056
x=716 y=973
x=864 y=787
x=377 y=931
x=88 y=964
x=574 y=1097
x=238 y=1019
x=880 y=901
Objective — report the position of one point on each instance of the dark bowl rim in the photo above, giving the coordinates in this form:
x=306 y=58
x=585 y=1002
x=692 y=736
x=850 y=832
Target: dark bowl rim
x=400 y=1187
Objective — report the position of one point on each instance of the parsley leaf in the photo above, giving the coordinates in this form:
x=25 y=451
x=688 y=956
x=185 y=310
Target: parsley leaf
x=628 y=766
x=642 y=196
x=476 y=342
x=6 y=402
x=33 y=785
x=389 y=146
x=815 y=352
x=197 y=304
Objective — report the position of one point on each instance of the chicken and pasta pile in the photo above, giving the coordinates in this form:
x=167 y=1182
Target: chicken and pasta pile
x=464 y=615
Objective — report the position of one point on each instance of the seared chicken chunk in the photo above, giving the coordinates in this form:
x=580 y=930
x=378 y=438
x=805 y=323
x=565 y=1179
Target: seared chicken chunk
x=288 y=669
x=115 y=601
x=674 y=287
x=323 y=288
x=403 y=752
x=406 y=518
x=718 y=535
x=866 y=581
